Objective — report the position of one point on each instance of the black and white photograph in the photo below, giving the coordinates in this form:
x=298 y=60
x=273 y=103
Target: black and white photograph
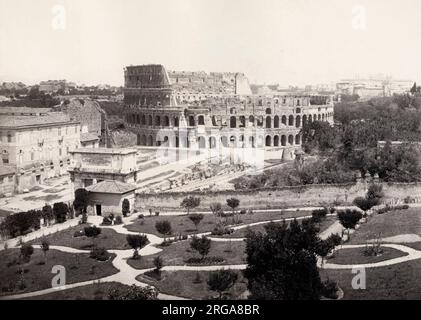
x=227 y=151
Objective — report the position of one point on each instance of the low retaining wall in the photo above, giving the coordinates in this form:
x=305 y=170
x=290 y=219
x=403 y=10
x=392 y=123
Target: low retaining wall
x=299 y=196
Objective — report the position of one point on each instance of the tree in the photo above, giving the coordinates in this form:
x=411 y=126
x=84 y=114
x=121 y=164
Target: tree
x=233 y=203
x=60 y=211
x=45 y=246
x=26 y=251
x=125 y=207
x=163 y=227
x=81 y=201
x=92 y=232
x=133 y=293
x=196 y=219
x=189 y=203
x=201 y=245
x=282 y=263
x=136 y=242
x=158 y=262
x=221 y=281
x=47 y=214
x=216 y=209
x=349 y=218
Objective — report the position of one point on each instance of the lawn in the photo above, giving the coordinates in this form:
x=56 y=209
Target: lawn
x=182 y=224
x=177 y=253
x=183 y=284
x=38 y=276
x=108 y=239
x=241 y=233
x=357 y=256
x=97 y=291
x=389 y=224
x=396 y=282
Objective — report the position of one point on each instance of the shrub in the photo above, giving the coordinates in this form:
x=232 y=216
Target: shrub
x=79 y=233
x=26 y=252
x=221 y=281
x=163 y=227
x=156 y=213
x=81 y=201
x=319 y=214
x=221 y=230
x=60 y=210
x=141 y=216
x=106 y=221
x=21 y=223
x=201 y=245
x=118 y=220
x=92 y=232
x=243 y=211
x=349 y=218
x=158 y=262
x=205 y=261
x=136 y=241
x=196 y=219
x=330 y=289
x=189 y=203
x=133 y=293
x=100 y=254
x=125 y=207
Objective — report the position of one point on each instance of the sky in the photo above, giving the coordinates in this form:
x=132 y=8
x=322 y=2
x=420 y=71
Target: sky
x=290 y=42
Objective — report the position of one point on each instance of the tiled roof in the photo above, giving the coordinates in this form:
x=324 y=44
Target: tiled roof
x=6 y=170
x=51 y=118
x=88 y=136
x=113 y=186
x=25 y=110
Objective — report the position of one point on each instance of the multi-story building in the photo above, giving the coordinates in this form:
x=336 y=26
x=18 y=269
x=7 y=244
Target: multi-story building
x=36 y=144
x=158 y=117
x=90 y=166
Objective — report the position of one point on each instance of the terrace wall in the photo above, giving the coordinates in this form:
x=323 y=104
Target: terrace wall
x=299 y=196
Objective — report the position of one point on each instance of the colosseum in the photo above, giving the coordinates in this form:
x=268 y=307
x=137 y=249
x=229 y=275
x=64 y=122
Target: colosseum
x=215 y=111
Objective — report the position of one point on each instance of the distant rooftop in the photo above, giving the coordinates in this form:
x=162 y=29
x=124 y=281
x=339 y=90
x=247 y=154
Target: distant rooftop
x=48 y=119
x=115 y=187
x=23 y=110
x=104 y=150
x=6 y=170
x=88 y=136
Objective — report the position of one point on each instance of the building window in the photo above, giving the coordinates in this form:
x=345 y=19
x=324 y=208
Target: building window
x=9 y=137
x=5 y=157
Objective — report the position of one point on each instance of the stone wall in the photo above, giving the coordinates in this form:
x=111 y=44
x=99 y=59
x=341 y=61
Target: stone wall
x=311 y=195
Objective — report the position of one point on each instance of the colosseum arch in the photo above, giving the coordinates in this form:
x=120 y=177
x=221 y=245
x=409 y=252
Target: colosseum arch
x=268 y=111
x=314 y=117
x=150 y=141
x=242 y=121
x=297 y=139
x=319 y=117
x=149 y=120
x=276 y=122
x=251 y=142
x=192 y=123
x=138 y=118
x=284 y=120
x=143 y=140
x=298 y=121
x=212 y=142
x=298 y=110
x=201 y=121
x=323 y=117
x=143 y=120
x=268 y=122
x=157 y=120
x=304 y=119
x=291 y=120
x=241 y=141
x=233 y=122
x=233 y=141
x=283 y=140
x=291 y=139
x=138 y=142
x=276 y=141
x=177 y=142
x=251 y=120
x=176 y=122
x=268 y=141
x=224 y=141
x=166 y=121
x=309 y=118
x=201 y=141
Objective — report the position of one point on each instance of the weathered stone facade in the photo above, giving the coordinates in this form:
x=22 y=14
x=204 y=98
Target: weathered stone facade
x=152 y=112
